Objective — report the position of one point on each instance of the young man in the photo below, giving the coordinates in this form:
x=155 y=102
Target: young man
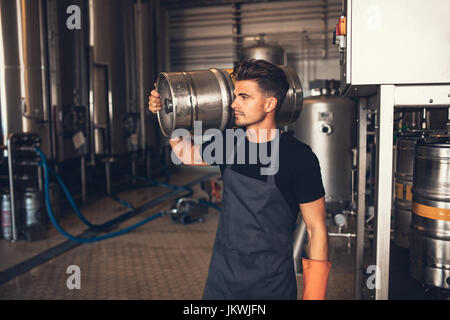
x=253 y=251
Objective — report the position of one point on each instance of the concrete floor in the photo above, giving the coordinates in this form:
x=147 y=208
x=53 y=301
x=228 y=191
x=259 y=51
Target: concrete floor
x=160 y=260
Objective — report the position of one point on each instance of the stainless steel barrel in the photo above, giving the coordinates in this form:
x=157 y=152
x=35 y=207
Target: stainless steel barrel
x=207 y=96
x=6 y=217
x=32 y=208
x=195 y=96
x=430 y=221
x=403 y=184
x=263 y=51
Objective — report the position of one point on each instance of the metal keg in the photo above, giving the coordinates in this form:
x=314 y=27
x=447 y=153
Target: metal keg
x=403 y=184
x=32 y=208
x=6 y=217
x=263 y=51
x=430 y=221
x=195 y=96
x=207 y=96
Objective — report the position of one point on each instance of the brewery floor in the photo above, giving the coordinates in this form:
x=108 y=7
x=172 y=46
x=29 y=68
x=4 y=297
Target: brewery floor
x=160 y=260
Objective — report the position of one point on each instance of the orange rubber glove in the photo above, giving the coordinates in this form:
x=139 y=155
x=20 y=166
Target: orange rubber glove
x=315 y=279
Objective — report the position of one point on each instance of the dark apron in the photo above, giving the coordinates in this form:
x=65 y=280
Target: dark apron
x=252 y=256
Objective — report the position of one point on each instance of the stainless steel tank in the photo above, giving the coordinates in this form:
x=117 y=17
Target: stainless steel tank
x=264 y=51
x=24 y=76
x=430 y=222
x=68 y=64
x=328 y=125
x=113 y=89
x=403 y=184
x=207 y=96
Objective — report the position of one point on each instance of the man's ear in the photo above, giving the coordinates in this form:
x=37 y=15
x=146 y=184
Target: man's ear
x=271 y=104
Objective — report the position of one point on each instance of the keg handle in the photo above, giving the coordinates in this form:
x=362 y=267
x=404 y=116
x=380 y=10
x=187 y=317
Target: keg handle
x=168 y=106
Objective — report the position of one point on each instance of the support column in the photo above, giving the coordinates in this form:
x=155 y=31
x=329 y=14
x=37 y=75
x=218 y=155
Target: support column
x=361 y=201
x=386 y=98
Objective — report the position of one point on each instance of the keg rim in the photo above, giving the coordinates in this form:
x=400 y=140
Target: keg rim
x=295 y=89
x=164 y=76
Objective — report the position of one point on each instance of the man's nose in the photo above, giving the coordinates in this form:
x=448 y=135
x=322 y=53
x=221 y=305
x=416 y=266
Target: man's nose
x=234 y=104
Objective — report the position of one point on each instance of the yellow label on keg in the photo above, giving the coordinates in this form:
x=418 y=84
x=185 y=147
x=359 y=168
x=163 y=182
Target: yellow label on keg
x=408 y=192
x=431 y=212
x=399 y=190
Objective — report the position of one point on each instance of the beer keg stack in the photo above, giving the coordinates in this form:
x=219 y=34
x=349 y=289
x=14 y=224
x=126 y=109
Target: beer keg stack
x=422 y=204
x=430 y=220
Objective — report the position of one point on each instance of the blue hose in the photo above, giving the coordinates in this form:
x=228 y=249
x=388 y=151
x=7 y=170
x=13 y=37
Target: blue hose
x=61 y=230
x=99 y=227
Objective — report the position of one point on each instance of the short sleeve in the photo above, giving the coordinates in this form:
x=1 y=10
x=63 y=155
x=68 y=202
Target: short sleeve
x=307 y=180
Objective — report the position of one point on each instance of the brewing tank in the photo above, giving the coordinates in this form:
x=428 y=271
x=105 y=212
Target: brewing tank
x=263 y=51
x=24 y=97
x=327 y=124
x=207 y=96
x=430 y=220
x=403 y=184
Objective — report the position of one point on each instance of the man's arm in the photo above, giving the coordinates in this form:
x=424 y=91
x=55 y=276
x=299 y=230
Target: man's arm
x=313 y=214
x=316 y=269
x=187 y=152
x=184 y=149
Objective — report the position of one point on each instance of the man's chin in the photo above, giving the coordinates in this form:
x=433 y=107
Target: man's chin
x=240 y=125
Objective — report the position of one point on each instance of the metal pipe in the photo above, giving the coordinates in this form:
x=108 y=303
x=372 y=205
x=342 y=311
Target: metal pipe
x=148 y=164
x=133 y=167
x=182 y=62
x=140 y=71
x=44 y=64
x=342 y=235
x=91 y=103
x=299 y=244
x=83 y=179
x=273 y=34
x=424 y=118
x=15 y=236
x=250 y=9
x=361 y=202
x=237 y=30
x=108 y=176
x=188 y=19
x=386 y=98
x=249 y=21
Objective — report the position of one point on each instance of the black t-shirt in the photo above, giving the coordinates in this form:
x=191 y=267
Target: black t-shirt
x=298 y=177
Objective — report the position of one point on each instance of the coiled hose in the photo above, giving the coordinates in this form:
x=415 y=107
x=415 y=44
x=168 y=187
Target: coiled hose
x=97 y=227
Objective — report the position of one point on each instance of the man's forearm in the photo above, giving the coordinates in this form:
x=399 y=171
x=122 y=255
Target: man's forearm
x=187 y=152
x=318 y=244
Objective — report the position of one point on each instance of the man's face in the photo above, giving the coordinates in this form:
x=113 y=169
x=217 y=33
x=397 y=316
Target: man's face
x=249 y=103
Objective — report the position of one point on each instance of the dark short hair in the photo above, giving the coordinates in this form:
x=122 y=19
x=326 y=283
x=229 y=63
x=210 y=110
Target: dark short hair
x=270 y=78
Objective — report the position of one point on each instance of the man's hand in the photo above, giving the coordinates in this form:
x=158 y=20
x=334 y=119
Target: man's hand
x=154 y=102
